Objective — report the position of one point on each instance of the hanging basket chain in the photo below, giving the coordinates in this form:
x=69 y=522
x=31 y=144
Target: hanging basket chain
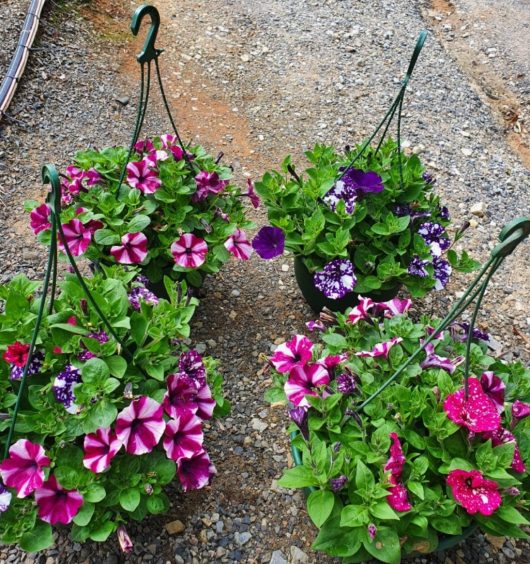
x=511 y=236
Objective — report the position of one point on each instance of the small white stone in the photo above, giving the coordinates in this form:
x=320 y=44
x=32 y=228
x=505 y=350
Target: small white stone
x=478 y=209
x=285 y=267
x=467 y=151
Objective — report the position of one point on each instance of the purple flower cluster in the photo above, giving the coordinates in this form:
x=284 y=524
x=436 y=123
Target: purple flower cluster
x=337 y=279
x=36 y=363
x=417 y=267
x=141 y=294
x=63 y=387
x=405 y=209
x=442 y=271
x=434 y=235
x=352 y=186
x=462 y=334
x=346 y=384
x=100 y=336
x=191 y=364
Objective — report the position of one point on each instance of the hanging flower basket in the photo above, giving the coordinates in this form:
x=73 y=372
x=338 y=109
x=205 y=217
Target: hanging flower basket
x=363 y=221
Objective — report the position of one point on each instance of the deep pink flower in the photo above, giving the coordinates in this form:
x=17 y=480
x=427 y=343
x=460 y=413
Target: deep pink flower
x=23 y=470
x=205 y=402
x=478 y=413
x=186 y=394
x=296 y=352
x=395 y=306
x=381 y=349
x=333 y=360
x=398 y=498
x=140 y=425
x=39 y=218
x=144 y=146
x=100 y=448
x=76 y=236
x=142 y=177
x=189 y=251
x=195 y=472
x=494 y=388
x=133 y=249
x=360 y=311
x=153 y=157
x=93 y=225
x=396 y=462
x=183 y=436
x=238 y=245
x=520 y=410
x=93 y=177
x=168 y=140
x=502 y=436
x=474 y=492
x=303 y=381
x=251 y=193
x=57 y=505
x=17 y=354
x=208 y=183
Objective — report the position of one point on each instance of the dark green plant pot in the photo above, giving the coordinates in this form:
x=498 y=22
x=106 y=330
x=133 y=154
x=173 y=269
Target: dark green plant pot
x=317 y=300
x=445 y=542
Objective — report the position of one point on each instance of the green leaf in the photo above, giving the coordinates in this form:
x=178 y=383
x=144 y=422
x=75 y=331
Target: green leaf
x=94 y=493
x=106 y=237
x=448 y=525
x=319 y=506
x=511 y=515
x=157 y=504
x=130 y=499
x=336 y=540
x=95 y=371
x=37 y=539
x=102 y=533
x=354 y=516
x=335 y=340
x=385 y=546
x=85 y=514
x=364 y=479
x=382 y=510
x=298 y=477
x=138 y=223
x=70 y=328
x=101 y=415
x=416 y=488
x=117 y=365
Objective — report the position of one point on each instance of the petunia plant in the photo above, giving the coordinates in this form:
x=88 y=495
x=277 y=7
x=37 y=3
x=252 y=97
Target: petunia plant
x=173 y=214
x=367 y=227
x=111 y=412
x=429 y=459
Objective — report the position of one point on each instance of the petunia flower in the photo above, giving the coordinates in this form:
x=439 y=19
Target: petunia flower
x=189 y=251
x=63 y=387
x=37 y=360
x=180 y=395
x=23 y=470
x=76 y=236
x=142 y=177
x=299 y=416
x=381 y=349
x=100 y=448
x=494 y=388
x=332 y=360
x=502 y=436
x=140 y=425
x=57 y=505
x=346 y=384
x=296 y=352
x=353 y=185
x=191 y=363
x=39 y=218
x=337 y=484
x=435 y=237
x=208 y=183
x=316 y=325
x=417 y=266
x=141 y=294
x=478 y=412
x=395 y=307
x=269 y=242
x=205 y=403
x=133 y=249
x=144 y=146
x=251 y=193
x=93 y=177
x=520 y=410
x=432 y=360
x=153 y=157
x=336 y=279
x=5 y=498
x=238 y=245
x=183 y=436
x=17 y=354
x=398 y=498
x=195 y=472
x=396 y=461
x=461 y=335
x=303 y=381
x=124 y=540
x=442 y=272
x=360 y=311
x=474 y=492
x=372 y=531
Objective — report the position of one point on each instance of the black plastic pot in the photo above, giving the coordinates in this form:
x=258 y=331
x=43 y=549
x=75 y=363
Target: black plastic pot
x=317 y=300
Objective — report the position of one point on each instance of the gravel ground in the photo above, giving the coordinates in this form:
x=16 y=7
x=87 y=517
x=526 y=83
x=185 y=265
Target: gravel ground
x=258 y=80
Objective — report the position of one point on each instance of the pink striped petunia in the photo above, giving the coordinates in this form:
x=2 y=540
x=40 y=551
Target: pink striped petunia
x=381 y=349
x=76 y=236
x=100 y=448
x=238 y=245
x=195 y=472
x=23 y=470
x=183 y=436
x=181 y=394
x=303 y=381
x=360 y=311
x=133 y=249
x=140 y=425
x=296 y=352
x=57 y=505
x=39 y=218
x=395 y=306
x=189 y=251
x=142 y=177
x=208 y=183
x=205 y=402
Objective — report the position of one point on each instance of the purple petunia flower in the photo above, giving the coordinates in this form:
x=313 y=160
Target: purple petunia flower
x=195 y=472
x=100 y=336
x=338 y=483
x=141 y=294
x=316 y=325
x=405 y=209
x=346 y=384
x=442 y=271
x=432 y=360
x=372 y=531
x=5 y=498
x=299 y=416
x=63 y=387
x=191 y=364
x=351 y=186
x=435 y=236
x=337 y=279
x=494 y=388
x=269 y=242
x=443 y=212
x=36 y=363
x=417 y=267
x=477 y=333
x=428 y=178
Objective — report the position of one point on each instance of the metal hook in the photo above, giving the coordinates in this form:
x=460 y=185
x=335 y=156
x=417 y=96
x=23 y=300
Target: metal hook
x=511 y=235
x=149 y=52
x=50 y=176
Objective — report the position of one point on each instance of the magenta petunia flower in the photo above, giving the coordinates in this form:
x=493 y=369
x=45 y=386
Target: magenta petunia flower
x=296 y=352
x=520 y=410
x=381 y=349
x=124 y=540
x=432 y=360
x=398 y=498
x=251 y=193
x=140 y=425
x=372 y=531
x=168 y=140
x=299 y=416
x=100 y=448
x=360 y=311
x=208 y=183
x=316 y=325
x=76 y=236
x=502 y=436
x=195 y=472
x=17 y=354
x=23 y=470
x=133 y=249
x=142 y=177
x=153 y=157
x=333 y=360
x=181 y=395
x=39 y=218
x=183 y=436
x=336 y=279
x=189 y=251
x=478 y=413
x=57 y=505
x=92 y=176
x=238 y=245
x=205 y=403
x=396 y=462
x=269 y=242
x=303 y=381
x=474 y=492
x=144 y=146
x=494 y=388
x=395 y=307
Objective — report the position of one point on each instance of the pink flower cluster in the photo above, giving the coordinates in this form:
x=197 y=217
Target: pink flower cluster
x=73 y=180
x=398 y=495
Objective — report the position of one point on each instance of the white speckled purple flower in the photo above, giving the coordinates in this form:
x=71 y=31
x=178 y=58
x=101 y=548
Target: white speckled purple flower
x=417 y=267
x=191 y=364
x=372 y=531
x=36 y=363
x=100 y=336
x=338 y=483
x=141 y=294
x=346 y=384
x=442 y=271
x=5 y=498
x=336 y=279
x=435 y=236
x=63 y=387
